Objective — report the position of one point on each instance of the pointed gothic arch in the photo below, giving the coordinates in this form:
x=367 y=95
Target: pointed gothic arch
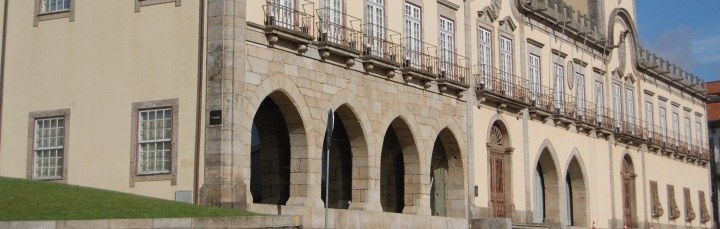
x=447 y=176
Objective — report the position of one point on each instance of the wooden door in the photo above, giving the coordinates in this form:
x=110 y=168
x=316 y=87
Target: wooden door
x=497 y=184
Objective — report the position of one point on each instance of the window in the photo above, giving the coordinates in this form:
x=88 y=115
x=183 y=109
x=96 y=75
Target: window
x=535 y=76
x=47 y=153
x=560 y=87
x=689 y=211
x=283 y=13
x=698 y=133
x=53 y=9
x=649 y=117
x=663 y=123
x=656 y=208
x=49 y=143
x=617 y=104
x=412 y=35
x=154 y=138
x=506 y=64
x=154 y=141
x=53 y=6
x=141 y=3
x=599 y=100
x=331 y=20
x=630 y=105
x=580 y=97
x=676 y=128
x=486 y=57
x=688 y=132
x=447 y=44
x=375 y=18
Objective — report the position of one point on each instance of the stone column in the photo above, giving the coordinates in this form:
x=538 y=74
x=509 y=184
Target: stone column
x=226 y=181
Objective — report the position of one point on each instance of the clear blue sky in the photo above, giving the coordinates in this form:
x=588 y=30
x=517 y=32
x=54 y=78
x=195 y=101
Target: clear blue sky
x=686 y=32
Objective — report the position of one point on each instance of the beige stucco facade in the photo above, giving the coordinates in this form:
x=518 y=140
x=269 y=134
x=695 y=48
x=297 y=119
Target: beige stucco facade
x=428 y=137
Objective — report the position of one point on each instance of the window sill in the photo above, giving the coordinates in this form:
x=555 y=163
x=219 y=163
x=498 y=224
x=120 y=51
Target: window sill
x=153 y=177
x=53 y=15
x=142 y=3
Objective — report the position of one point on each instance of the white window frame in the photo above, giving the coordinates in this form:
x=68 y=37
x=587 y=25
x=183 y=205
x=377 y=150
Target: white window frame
x=599 y=100
x=412 y=27
x=332 y=11
x=663 y=123
x=447 y=44
x=617 y=104
x=154 y=132
x=506 y=63
x=535 y=76
x=676 y=128
x=688 y=132
x=284 y=13
x=485 y=43
x=649 y=119
x=559 y=87
x=55 y=6
x=698 y=133
x=580 y=97
x=630 y=105
x=48 y=148
x=375 y=18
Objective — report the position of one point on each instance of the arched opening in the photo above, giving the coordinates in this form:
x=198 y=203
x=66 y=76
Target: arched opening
x=392 y=171
x=547 y=191
x=347 y=142
x=575 y=194
x=499 y=160
x=628 y=188
x=446 y=177
x=398 y=143
x=270 y=149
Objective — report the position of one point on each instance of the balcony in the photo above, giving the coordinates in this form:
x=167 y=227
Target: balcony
x=380 y=53
x=454 y=73
x=419 y=61
x=630 y=130
x=336 y=39
x=502 y=88
x=289 y=24
x=655 y=138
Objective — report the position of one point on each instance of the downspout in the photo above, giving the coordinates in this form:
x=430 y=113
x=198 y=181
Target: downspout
x=198 y=111
x=2 y=62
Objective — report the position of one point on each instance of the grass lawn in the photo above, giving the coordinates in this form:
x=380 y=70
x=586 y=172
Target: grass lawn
x=37 y=200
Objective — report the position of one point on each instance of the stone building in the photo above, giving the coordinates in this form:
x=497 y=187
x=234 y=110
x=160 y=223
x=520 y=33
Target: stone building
x=448 y=113
x=713 y=119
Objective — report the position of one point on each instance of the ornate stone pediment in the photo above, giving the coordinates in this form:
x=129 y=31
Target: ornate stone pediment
x=507 y=24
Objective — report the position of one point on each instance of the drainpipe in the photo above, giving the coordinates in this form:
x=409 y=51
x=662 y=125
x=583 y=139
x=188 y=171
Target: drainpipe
x=2 y=62
x=198 y=111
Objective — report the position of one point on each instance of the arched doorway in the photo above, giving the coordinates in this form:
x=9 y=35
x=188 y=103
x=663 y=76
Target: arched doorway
x=628 y=189
x=347 y=142
x=499 y=150
x=547 y=190
x=446 y=177
x=275 y=121
x=575 y=194
x=398 y=143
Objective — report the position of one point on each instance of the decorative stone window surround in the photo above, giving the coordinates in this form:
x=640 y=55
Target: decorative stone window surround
x=40 y=16
x=134 y=151
x=65 y=113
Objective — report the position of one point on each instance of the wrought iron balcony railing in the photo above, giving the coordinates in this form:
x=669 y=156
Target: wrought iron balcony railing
x=419 y=56
x=606 y=118
x=378 y=44
x=334 y=32
x=453 y=67
x=656 y=137
x=502 y=83
x=289 y=18
x=632 y=126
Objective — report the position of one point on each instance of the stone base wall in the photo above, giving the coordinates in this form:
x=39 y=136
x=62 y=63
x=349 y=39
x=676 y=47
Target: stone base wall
x=220 y=222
